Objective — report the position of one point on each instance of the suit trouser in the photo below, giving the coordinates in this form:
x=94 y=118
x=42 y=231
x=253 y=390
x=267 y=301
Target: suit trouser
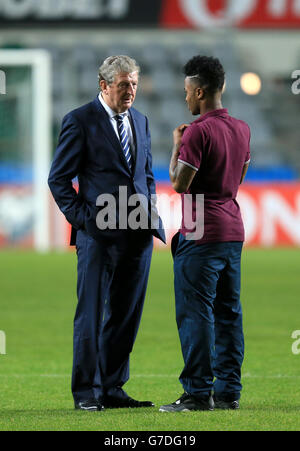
x=209 y=317
x=111 y=287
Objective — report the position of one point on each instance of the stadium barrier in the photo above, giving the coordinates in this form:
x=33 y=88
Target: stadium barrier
x=271 y=214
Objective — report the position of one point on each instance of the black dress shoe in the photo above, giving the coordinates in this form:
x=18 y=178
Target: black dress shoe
x=226 y=405
x=187 y=403
x=111 y=402
x=91 y=405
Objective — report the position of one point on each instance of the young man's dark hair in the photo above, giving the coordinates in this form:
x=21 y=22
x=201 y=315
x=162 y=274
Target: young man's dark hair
x=208 y=70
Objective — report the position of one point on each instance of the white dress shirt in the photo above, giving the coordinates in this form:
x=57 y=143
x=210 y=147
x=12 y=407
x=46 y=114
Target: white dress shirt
x=113 y=121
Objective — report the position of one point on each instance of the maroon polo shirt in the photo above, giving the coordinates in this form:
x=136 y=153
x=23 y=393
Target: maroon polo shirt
x=217 y=146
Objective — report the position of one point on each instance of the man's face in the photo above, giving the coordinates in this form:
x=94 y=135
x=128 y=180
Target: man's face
x=191 y=98
x=120 y=94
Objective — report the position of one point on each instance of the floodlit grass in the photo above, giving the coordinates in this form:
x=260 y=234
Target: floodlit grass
x=38 y=299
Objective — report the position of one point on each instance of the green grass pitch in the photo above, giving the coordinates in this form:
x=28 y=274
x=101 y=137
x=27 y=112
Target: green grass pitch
x=38 y=299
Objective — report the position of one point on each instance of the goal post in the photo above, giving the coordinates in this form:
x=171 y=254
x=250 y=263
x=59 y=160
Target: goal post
x=39 y=62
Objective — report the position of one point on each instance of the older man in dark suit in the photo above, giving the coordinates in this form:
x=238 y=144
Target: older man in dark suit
x=106 y=144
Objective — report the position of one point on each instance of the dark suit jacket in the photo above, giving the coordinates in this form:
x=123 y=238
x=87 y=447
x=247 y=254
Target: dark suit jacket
x=89 y=149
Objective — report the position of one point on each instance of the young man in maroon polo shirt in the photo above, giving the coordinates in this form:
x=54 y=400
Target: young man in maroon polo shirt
x=210 y=158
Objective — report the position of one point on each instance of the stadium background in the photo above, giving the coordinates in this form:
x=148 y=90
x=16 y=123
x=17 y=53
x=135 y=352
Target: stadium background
x=260 y=37
x=254 y=36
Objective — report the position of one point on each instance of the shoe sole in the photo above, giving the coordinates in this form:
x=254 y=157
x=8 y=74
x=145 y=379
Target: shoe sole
x=185 y=410
x=127 y=407
x=89 y=409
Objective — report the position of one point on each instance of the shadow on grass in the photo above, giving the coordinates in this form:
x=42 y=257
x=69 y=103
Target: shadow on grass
x=71 y=411
x=106 y=412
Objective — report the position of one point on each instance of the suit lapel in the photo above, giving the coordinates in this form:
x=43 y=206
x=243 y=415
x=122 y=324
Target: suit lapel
x=137 y=133
x=109 y=132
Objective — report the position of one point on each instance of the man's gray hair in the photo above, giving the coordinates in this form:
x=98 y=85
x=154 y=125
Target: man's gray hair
x=114 y=65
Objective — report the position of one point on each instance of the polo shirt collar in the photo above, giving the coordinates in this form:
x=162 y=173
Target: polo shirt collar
x=214 y=113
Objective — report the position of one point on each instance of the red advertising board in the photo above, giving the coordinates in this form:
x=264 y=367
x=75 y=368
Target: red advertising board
x=224 y=13
x=271 y=213
x=155 y=13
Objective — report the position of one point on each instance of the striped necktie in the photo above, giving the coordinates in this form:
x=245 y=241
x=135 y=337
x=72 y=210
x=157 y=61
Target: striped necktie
x=124 y=139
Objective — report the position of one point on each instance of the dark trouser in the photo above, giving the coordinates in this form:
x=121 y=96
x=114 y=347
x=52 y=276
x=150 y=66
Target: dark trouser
x=112 y=281
x=209 y=317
